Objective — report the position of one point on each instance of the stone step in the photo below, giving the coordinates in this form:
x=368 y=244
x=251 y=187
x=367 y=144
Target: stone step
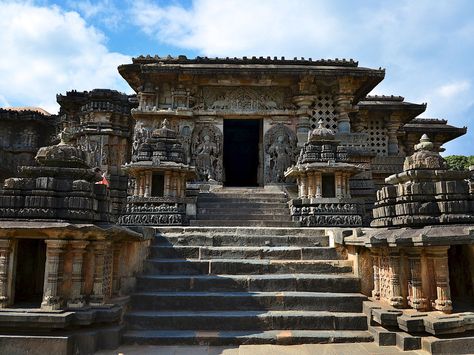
x=242 y=266
x=244 y=252
x=240 y=231
x=259 y=283
x=243 y=196
x=241 y=240
x=243 y=223
x=245 y=320
x=258 y=301
x=281 y=337
x=244 y=210
x=234 y=205
x=244 y=217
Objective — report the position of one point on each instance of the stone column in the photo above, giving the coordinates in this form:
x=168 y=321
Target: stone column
x=303 y=126
x=136 y=188
x=415 y=289
x=147 y=177
x=396 y=299
x=338 y=181
x=376 y=266
x=5 y=275
x=52 y=274
x=77 y=297
x=439 y=256
x=319 y=192
x=392 y=127
x=141 y=184
x=167 y=184
x=311 y=187
x=344 y=104
x=101 y=278
x=304 y=186
x=116 y=268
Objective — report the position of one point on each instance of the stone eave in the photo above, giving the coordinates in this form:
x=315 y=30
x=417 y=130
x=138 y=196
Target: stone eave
x=435 y=235
x=426 y=175
x=408 y=110
x=51 y=229
x=134 y=73
x=433 y=128
x=26 y=115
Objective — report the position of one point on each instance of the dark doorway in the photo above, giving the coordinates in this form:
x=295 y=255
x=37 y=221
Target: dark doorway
x=29 y=277
x=241 y=141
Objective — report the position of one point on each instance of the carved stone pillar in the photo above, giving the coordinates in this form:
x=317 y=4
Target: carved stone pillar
x=101 y=278
x=396 y=299
x=77 y=297
x=147 y=177
x=117 y=248
x=376 y=266
x=304 y=186
x=167 y=184
x=52 y=275
x=303 y=126
x=439 y=256
x=319 y=190
x=415 y=289
x=5 y=252
x=338 y=181
x=311 y=185
x=141 y=184
x=344 y=105
x=392 y=127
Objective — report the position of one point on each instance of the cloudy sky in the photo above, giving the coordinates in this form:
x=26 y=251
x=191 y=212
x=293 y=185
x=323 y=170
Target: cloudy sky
x=427 y=47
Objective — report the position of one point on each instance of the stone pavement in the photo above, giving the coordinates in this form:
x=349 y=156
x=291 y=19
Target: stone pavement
x=305 y=349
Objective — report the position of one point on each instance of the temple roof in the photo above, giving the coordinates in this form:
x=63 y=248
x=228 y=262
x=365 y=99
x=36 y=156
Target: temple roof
x=26 y=114
x=142 y=67
x=392 y=103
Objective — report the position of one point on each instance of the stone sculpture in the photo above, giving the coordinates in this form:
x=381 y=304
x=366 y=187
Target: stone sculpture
x=280 y=148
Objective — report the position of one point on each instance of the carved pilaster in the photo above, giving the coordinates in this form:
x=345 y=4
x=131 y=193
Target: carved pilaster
x=302 y=127
x=392 y=127
x=53 y=274
x=77 y=277
x=101 y=286
x=395 y=298
x=439 y=256
x=416 y=298
x=5 y=253
x=376 y=266
x=116 y=268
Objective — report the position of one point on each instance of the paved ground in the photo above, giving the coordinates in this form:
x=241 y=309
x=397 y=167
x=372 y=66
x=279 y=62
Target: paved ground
x=306 y=349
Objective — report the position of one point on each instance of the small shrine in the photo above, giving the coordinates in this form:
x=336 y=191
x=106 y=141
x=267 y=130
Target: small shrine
x=160 y=174
x=322 y=174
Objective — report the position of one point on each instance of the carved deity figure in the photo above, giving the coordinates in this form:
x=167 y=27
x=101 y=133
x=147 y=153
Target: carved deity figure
x=280 y=149
x=206 y=157
x=280 y=158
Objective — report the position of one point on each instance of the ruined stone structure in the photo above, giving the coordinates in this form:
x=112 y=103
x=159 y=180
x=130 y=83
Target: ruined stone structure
x=22 y=132
x=102 y=126
x=258 y=179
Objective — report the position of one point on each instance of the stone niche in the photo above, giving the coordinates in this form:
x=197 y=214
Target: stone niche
x=322 y=174
x=160 y=174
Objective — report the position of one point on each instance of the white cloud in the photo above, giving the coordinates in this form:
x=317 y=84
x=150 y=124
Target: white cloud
x=47 y=51
x=3 y=101
x=104 y=10
x=453 y=89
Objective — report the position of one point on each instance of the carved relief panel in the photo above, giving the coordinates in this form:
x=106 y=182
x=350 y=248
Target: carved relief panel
x=206 y=152
x=244 y=98
x=281 y=152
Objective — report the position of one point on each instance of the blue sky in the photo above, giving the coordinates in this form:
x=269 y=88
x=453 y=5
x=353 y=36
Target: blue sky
x=49 y=47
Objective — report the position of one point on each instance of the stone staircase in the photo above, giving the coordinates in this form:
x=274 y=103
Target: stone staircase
x=245 y=285
x=243 y=206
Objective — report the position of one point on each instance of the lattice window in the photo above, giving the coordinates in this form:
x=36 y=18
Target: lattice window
x=378 y=139
x=324 y=109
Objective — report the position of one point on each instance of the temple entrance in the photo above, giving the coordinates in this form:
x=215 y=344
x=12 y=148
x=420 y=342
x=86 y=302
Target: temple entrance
x=241 y=152
x=29 y=276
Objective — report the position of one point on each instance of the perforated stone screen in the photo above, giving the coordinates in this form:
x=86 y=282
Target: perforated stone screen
x=378 y=138
x=324 y=109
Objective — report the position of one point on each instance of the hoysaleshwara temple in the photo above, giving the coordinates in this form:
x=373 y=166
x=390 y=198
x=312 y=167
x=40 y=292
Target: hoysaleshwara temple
x=233 y=201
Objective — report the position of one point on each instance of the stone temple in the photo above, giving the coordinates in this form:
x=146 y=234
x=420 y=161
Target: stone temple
x=233 y=201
